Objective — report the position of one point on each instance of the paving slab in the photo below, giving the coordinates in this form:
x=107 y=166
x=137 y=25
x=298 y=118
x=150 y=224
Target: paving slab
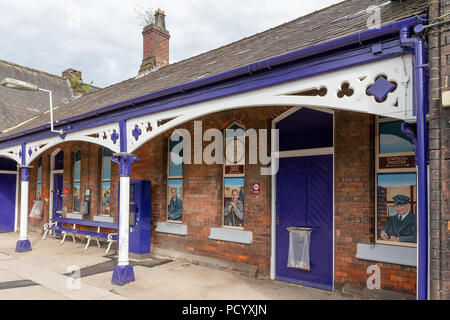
x=47 y=263
x=30 y=293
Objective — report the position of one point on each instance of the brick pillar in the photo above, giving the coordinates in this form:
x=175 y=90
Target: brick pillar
x=439 y=49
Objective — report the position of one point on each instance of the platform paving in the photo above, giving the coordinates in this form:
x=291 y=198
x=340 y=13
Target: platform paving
x=162 y=278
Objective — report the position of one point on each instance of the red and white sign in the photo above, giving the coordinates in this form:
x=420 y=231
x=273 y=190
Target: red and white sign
x=256 y=188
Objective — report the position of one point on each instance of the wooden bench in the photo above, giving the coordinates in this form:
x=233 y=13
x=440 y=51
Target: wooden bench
x=56 y=225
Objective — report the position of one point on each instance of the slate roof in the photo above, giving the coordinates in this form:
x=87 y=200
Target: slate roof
x=17 y=106
x=336 y=21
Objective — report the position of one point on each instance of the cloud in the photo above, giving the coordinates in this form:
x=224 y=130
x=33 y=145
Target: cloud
x=103 y=40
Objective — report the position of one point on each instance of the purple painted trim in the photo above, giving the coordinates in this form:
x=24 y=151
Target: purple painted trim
x=125 y=162
x=23 y=246
x=114 y=136
x=381 y=88
x=304 y=69
x=266 y=65
x=23 y=154
x=25 y=175
x=123 y=275
x=136 y=132
x=63 y=135
x=410 y=132
x=419 y=75
x=123 y=135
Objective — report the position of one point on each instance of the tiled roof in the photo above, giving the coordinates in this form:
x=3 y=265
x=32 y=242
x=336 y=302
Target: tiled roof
x=17 y=106
x=336 y=21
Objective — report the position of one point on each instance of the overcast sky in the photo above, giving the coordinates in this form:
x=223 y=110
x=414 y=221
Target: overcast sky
x=102 y=38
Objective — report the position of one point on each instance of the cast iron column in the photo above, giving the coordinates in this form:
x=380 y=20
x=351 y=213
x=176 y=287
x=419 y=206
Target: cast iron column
x=123 y=272
x=23 y=245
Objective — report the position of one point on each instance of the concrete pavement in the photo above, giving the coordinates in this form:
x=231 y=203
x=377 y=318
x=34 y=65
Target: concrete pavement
x=47 y=263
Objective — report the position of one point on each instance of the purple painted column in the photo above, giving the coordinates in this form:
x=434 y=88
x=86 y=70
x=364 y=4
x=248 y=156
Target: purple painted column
x=123 y=272
x=24 y=245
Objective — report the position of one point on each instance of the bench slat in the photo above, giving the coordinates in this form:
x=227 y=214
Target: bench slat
x=90 y=223
x=84 y=232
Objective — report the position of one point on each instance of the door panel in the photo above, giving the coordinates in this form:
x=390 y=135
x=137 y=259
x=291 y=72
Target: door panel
x=8 y=201
x=305 y=199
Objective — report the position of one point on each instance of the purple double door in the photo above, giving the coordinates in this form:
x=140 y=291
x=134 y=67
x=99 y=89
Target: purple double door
x=305 y=199
x=8 y=202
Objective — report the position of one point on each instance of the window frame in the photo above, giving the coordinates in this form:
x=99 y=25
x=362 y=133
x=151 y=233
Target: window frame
x=378 y=121
x=225 y=175
x=105 y=180
x=39 y=179
x=169 y=177
x=76 y=181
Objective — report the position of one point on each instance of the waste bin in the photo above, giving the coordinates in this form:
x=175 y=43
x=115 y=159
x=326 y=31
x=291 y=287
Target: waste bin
x=299 y=243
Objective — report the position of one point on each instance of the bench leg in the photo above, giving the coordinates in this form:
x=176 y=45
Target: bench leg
x=73 y=237
x=88 y=241
x=45 y=234
x=109 y=247
x=64 y=236
x=98 y=243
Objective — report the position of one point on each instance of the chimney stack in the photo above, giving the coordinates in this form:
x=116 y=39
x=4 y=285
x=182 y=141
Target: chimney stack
x=156 y=44
x=72 y=73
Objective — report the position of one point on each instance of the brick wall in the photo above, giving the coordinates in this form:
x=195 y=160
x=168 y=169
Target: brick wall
x=439 y=50
x=355 y=205
x=202 y=196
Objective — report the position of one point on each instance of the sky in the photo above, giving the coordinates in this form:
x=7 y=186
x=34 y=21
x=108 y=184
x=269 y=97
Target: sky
x=103 y=38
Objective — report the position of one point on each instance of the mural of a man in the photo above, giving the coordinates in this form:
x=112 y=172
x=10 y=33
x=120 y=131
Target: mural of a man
x=105 y=202
x=401 y=227
x=175 y=206
x=76 y=200
x=234 y=211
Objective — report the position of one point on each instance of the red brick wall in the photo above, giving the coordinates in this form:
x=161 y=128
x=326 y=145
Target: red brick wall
x=355 y=204
x=202 y=196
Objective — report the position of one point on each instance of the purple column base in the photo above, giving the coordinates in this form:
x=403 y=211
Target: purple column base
x=122 y=275
x=23 y=246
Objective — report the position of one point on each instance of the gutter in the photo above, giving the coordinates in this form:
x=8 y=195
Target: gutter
x=257 y=67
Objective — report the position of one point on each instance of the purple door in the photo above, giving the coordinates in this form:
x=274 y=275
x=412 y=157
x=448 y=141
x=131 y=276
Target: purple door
x=305 y=199
x=8 y=201
x=57 y=194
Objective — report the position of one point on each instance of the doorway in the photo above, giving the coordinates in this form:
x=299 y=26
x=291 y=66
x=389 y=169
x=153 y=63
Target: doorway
x=8 y=195
x=303 y=195
x=56 y=182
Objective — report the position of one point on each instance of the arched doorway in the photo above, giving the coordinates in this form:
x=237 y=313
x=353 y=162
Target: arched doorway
x=304 y=191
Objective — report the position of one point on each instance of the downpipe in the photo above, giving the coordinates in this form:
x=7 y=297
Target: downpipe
x=421 y=156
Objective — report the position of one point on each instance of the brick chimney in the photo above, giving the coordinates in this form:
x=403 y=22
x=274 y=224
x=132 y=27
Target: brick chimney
x=72 y=73
x=156 y=44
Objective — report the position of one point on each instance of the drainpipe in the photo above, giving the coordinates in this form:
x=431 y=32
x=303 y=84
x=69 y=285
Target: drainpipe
x=421 y=158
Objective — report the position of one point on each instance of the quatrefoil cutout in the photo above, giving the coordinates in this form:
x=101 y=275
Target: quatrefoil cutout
x=381 y=88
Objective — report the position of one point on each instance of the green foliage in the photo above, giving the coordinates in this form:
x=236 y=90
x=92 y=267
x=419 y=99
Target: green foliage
x=77 y=85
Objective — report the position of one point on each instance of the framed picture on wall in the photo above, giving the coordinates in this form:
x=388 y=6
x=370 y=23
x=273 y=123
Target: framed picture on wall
x=174 y=200
x=396 y=202
x=233 y=212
